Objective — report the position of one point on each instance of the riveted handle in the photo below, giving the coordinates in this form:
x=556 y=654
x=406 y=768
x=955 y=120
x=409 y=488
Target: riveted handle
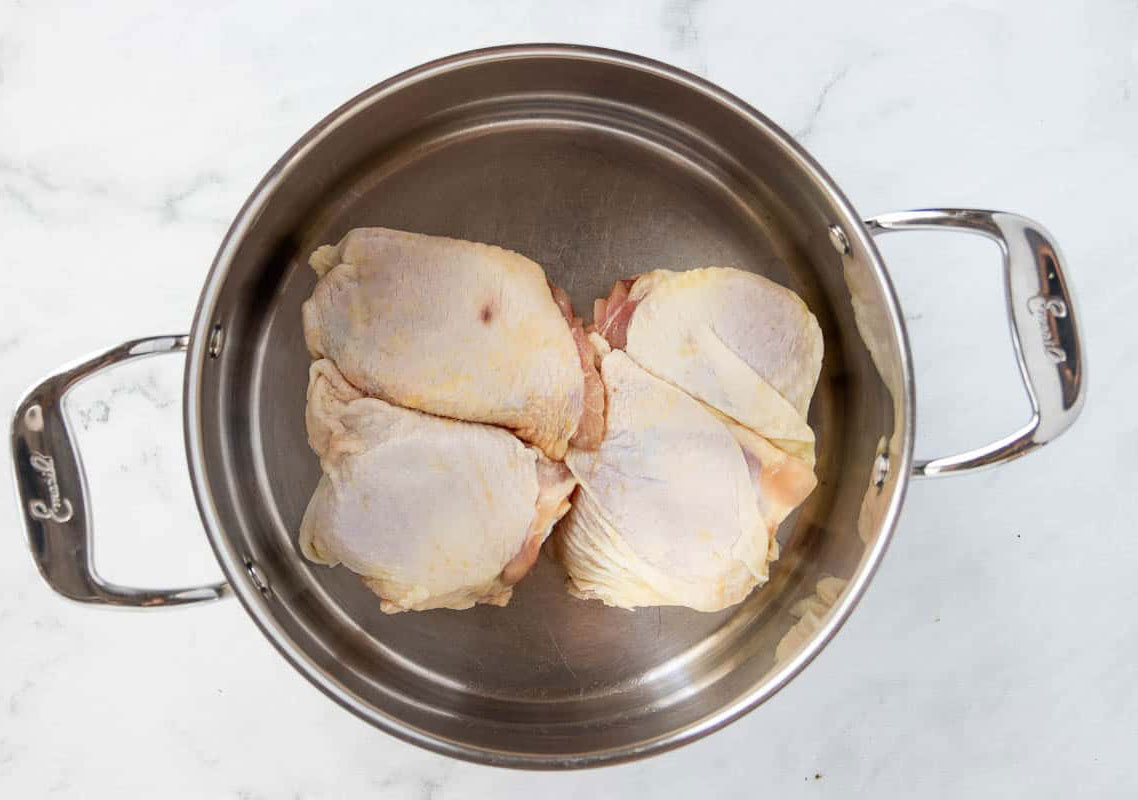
x=1045 y=330
x=52 y=489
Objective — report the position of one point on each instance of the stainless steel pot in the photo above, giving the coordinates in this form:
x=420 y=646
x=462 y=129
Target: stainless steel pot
x=598 y=165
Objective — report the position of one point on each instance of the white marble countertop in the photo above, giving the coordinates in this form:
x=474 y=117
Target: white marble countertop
x=992 y=656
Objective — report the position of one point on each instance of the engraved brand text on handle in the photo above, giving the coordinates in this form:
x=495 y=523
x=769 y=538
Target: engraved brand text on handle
x=55 y=508
x=1043 y=309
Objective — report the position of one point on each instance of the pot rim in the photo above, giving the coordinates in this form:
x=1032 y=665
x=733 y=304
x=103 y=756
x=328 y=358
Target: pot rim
x=232 y=561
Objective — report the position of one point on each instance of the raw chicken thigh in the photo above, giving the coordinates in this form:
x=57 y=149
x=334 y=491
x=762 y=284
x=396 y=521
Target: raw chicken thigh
x=706 y=446
x=744 y=345
x=459 y=329
x=678 y=506
x=431 y=512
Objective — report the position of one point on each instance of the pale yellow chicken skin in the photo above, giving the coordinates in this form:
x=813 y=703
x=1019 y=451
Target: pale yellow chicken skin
x=430 y=512
x=455 y=328
x=706 y=447
x=739 y=342
x=678 y=506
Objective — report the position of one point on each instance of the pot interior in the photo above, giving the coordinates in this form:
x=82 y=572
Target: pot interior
x=597 y=166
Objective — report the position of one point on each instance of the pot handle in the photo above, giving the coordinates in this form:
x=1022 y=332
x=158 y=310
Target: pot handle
x=52 y=488
x=1045 y=332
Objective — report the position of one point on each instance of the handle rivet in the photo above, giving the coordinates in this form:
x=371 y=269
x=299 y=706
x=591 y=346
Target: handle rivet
x=216 y=340
x=259 y=579
x=839 y=241
x=33 y=418
x=880 y=470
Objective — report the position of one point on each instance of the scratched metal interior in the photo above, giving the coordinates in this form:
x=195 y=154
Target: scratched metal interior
x=597 y=172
